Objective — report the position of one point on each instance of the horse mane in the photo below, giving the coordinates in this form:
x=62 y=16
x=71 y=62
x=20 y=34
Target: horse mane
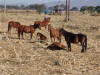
x=64 y=31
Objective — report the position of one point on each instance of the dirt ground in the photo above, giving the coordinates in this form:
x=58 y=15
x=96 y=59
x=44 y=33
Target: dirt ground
x=29 y=57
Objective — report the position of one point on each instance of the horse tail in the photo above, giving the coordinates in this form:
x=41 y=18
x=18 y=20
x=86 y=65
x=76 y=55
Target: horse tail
x=85 y=42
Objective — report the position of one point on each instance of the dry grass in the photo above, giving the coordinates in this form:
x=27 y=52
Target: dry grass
x=29 y=57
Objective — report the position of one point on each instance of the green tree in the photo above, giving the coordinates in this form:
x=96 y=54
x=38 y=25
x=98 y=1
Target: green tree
x=40 y=8
x=91 y=9
x=74 y=9
x=97 y=8
x=83 y=9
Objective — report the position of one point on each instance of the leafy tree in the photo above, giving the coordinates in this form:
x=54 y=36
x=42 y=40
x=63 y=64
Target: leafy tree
x=83 y=9
x=40 y=8
x=74 y=9
x=91 y=9
x=97 y=8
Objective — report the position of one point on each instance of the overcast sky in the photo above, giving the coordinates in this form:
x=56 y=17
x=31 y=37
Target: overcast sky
x=77 y=3
x=26 y=1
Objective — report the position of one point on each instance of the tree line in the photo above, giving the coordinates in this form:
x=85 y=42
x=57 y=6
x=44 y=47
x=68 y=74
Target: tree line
x=41 y=7
x=90 y=9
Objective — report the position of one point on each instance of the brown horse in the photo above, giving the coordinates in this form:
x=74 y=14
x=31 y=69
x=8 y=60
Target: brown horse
x=26 y=29
x=13 y=24
x=43 y=23
x=41 y=36
x=54 y=33
x=56 y=46
x=74 y=38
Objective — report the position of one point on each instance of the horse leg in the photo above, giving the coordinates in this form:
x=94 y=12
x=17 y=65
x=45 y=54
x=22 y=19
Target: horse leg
x=51 y=39
x=54 y=39
x=85 y=43
x=59 y=38
x=9 y=30
x=31 y=35
x=18 y=35
x=45 y=27
x=39 y=27
x=69 y=46
x=9 y=27
x=16 y=29
x=82 y=47
x=22 y=35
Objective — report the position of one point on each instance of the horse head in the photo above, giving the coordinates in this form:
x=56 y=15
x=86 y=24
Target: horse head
x=47 y=19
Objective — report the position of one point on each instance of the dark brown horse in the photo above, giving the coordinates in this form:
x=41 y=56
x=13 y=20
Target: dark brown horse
x=54 y=33
x=74 y=38
x=13 y=24
x=41 y=36
x=26 y=29
x=43 y=23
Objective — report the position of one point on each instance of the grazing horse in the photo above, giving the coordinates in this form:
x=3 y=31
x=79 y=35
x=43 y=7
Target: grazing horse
x=43 y=23
x=74 y=38
x=13 y=24
x=41 y=36
x=26 y=29
x=54 y=33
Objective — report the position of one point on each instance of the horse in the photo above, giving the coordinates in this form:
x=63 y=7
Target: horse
x=74 y=38
x=54 y=33
x=41 y=36
x=26 y=29
x=43 y=23
x=56 y=46
x=13 y=24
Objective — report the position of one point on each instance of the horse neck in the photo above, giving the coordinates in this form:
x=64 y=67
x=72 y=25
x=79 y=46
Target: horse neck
x=32 y=27
x=46 y=21
x=51 y=28
x=64 y=33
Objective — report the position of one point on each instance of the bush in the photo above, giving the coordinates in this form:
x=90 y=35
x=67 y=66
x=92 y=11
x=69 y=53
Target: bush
x=91 y=9
x=97 y=8
x=74 y=9
x=83 y=9
x=40 y=8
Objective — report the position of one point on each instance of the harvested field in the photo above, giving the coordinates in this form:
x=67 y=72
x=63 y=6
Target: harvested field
x=29 y=57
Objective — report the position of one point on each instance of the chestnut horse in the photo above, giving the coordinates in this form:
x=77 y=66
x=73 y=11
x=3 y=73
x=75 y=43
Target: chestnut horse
x=54 y=33
x=26 y=29
x=74 y=38
x=13 y=24
x=43 y=23
x=56 y=46
x=41 y=36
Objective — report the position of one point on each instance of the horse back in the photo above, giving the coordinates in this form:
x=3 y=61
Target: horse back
x=81 y=36
x=14 y=24
x=54 y=32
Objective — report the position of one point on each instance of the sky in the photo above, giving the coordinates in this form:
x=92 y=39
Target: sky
x=26 y=1
x=74 y=3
